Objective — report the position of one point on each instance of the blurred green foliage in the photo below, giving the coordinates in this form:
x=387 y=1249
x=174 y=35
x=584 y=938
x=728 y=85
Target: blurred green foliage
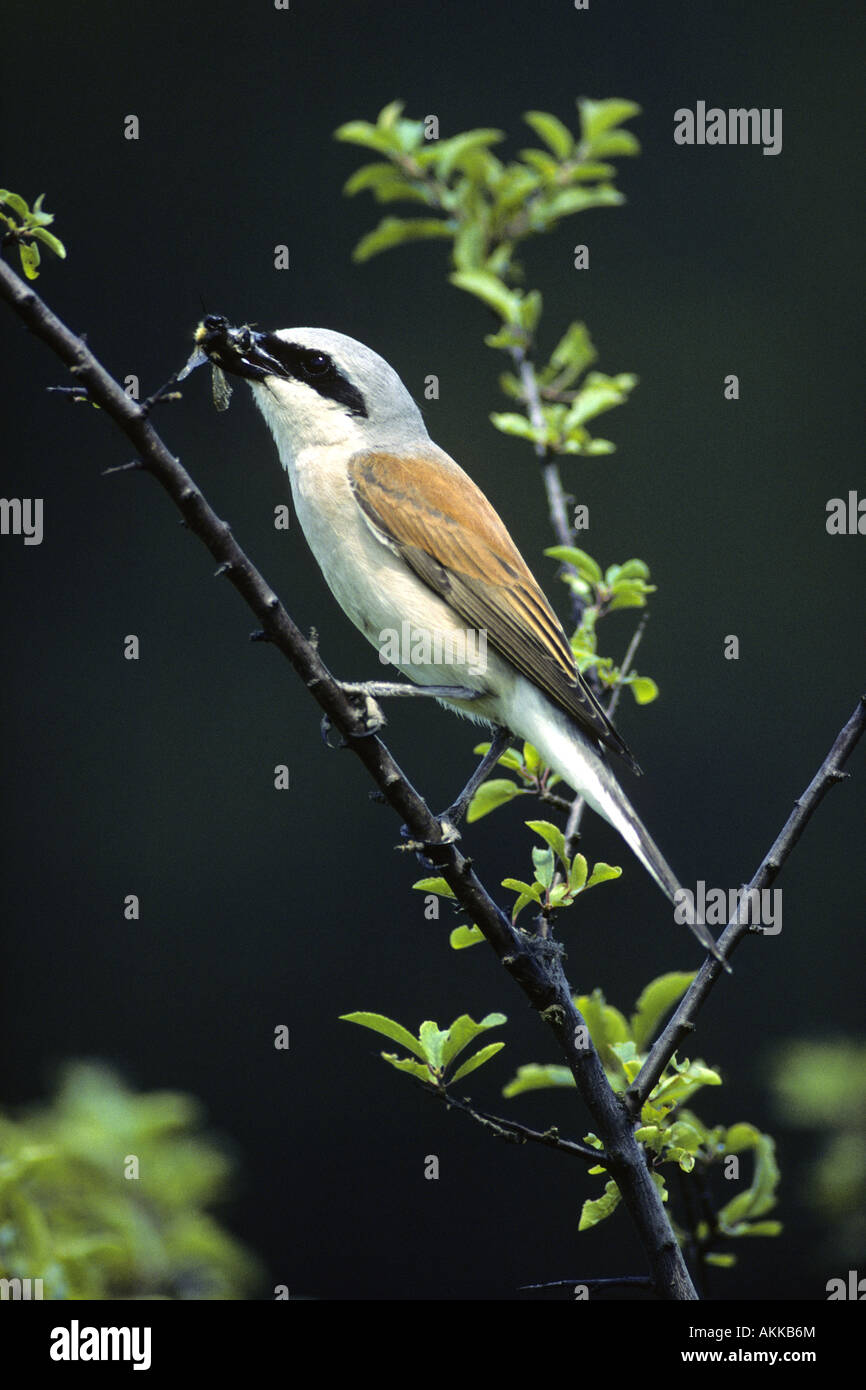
x=72 y=1214
x=822 y=1086
x=486 y=208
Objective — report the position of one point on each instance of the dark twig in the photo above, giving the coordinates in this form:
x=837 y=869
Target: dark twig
x=557 y=497
x=515 y=1133
x=624 y=1281
x=683 y=1021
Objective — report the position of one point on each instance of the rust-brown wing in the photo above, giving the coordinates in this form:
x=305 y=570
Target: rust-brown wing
x=442 y=525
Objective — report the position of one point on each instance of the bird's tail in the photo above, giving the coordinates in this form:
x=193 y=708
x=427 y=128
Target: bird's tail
x=570 y=753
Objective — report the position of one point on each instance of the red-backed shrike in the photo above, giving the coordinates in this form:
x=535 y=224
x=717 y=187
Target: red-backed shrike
x=409 y=545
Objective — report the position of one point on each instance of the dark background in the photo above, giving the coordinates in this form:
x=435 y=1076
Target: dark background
x=155 y=777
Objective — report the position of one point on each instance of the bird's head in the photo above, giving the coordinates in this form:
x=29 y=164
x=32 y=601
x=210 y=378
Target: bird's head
x=316 y=387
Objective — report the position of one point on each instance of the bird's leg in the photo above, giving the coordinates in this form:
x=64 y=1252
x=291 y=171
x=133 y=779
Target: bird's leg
x=457 y=810
x=388 y=689
x=370 y=691
x=450 y=818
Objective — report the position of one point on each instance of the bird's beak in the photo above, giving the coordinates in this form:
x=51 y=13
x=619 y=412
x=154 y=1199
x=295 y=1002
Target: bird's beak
x=241 y=351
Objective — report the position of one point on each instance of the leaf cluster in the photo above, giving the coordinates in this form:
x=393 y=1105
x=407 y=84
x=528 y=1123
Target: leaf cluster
x=26 y=228
x=668 y=1131
x=434 y=1050
x=487 y=206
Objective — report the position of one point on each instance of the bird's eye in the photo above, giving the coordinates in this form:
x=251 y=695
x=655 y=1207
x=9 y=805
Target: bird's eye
x=316 y=363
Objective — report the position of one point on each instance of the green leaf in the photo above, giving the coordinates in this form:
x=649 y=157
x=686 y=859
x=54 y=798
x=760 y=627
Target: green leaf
x=380 y=1024
x=598 y=117
x=477 y=1060
x=616 y=143
x=30 y=259
x=490 y=289
x=577 y=873
x=52 y=242
x=507 y=422
x=492 y=794
x=397 y=231
x=535 y=1077
x=598 y=1210
x=574 y=350
x=634 y=569
x=433 y=1040
x=657 y=999
x=434 y=885
x=516 y=885
x=531 y=758
x=470 y=244
x=607 y=1026
x=661 y=1185
x=626 y=1050
x=685 y=1136
x=16 y=202
x=462 y=1032
x=362 y=133
x=461 y=937
x=688 y=1077
x=595 y=448
x=721 y=1261
x=543 y=163
x=451 y=154
x=603 y=873
x=527 y=894
x=389 y=115
x=556 y=136
x=647 y=1134
x=552 y=835
x=628 y=595
x=530 y=310
x=598 y=394
x=510 y=758
x=570 y=200
x=586 y=567
x=406 y=1064
x=741 y=1136
x=544 y=864
x=386 y=183
x=40 y=218
x=591 y=172
x=643 y=688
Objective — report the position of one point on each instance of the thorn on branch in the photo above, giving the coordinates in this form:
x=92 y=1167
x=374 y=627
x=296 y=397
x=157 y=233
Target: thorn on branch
x=136 y=466
x=165 y=393
x=76 y=395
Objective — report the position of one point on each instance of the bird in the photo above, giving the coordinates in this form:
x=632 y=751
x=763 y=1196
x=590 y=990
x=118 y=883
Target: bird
x=409 y=544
